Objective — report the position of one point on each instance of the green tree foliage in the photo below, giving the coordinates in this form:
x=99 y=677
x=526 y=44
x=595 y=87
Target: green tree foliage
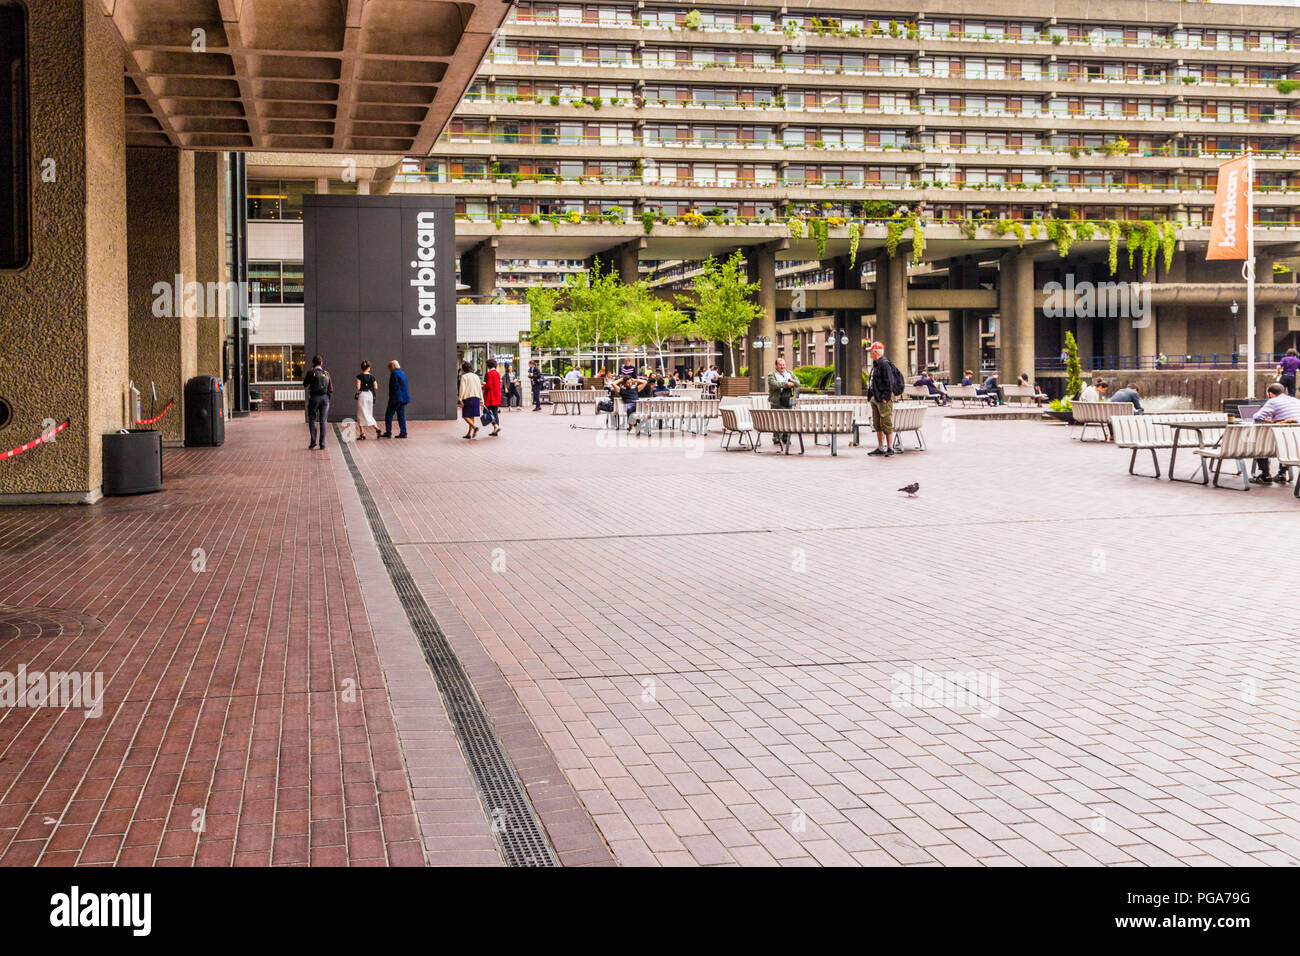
x=651 y=321
x=724 y=302
x=1073 y=371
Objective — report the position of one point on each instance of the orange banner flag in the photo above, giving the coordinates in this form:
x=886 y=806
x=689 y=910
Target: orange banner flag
x=1228 y=229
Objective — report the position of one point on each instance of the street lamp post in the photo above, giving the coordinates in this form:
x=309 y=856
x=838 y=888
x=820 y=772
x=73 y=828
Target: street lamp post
x=1235 y=347
x=836 y=339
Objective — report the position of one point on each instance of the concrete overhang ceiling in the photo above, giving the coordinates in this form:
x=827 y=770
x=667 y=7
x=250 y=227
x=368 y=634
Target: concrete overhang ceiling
x=350 y=76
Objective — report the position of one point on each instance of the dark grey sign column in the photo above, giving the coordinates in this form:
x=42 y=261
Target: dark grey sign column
x=380 y=284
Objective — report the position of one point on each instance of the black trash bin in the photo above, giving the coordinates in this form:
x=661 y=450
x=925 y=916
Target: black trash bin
x=133 y=462
x=205 y=411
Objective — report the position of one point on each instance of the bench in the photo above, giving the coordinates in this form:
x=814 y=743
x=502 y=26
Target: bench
x=829 y=420
x=1287 y=441
x=736 y=421
x=920 y=393
x=907 y=417
x=684 y=391
x=283 y=395
x=696 y=411
x=1141 y=433
x=1098 y=414
x=1019 y=391
x=969 y=393
x=573 y=399
x=1241 y=443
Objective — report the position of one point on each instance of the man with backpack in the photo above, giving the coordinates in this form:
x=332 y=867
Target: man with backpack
x=885 y=385
x=317 y=389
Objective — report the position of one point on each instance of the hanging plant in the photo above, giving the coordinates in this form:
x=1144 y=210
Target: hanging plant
x=820 y=231
x=893 y=235
x=1168 y=239
x=1062 y=233
x=1084 y=230
x=795 y=225
x=855 y=233
x=918 y=240
x=1113 y=233
x=1018 y=228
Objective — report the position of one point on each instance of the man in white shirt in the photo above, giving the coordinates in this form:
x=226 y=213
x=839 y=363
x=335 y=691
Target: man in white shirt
x=573 y=378
x=1280 y=407
x=1095 y=392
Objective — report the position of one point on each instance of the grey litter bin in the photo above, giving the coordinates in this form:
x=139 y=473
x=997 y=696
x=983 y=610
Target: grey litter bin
x=133 y=462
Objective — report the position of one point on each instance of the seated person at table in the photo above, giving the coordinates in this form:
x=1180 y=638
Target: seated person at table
x=1129 y=394
x=933 y=387
x=659 y=386
x=645 y=387
x=1280 y=407
x=968 y=378
x=1039 y=396
x=1095 y=392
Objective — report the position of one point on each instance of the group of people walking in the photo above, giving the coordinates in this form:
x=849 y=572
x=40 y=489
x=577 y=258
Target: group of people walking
x=318 y=390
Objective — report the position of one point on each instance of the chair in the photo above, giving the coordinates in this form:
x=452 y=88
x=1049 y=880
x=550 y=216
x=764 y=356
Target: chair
x=1240 y=443
x=1287 y=442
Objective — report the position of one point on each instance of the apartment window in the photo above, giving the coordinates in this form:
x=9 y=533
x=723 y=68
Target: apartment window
x=15 y=165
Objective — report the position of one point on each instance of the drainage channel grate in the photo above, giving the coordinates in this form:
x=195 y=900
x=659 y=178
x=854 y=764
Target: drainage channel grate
x=515 y=825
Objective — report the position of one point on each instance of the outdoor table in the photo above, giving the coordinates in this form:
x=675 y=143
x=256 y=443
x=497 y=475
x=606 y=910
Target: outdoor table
x=1197 y=425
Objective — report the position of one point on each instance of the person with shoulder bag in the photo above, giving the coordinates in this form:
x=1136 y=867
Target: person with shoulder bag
x=317 y=387
x=367 y=386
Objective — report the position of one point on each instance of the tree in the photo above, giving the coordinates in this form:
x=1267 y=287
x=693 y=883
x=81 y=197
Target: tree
x=1073 y=371
x=723 y=306
x=650 y=320
x=595 y=307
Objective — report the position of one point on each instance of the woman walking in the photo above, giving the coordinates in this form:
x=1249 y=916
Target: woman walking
x=471 y=396
x=1286 y=371
x=366 y=388
x=492 y=399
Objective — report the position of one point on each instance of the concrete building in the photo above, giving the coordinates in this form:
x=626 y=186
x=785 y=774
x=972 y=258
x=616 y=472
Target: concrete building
x=121 y=121
x=993 y=126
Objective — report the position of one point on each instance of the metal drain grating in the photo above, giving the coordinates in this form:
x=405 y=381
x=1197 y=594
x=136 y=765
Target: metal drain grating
x=518 y=832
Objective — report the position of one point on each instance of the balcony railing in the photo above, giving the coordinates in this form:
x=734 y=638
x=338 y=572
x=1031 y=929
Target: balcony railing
x=1264 y=361
x=1236 y=45
x=701 y=221
x=533 y=58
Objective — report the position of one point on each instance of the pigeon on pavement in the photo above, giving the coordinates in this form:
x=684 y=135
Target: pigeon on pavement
x=911 y=489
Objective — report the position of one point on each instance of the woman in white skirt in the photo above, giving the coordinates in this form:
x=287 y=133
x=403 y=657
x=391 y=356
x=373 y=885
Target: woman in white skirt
x=366 y=388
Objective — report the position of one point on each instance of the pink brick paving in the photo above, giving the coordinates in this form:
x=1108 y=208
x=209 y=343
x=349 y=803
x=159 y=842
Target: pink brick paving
x=708 y=643
x=262 y=691
x=690 y=655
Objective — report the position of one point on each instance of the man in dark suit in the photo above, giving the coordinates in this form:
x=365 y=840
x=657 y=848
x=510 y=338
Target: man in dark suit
x=399 y=395
x=535 y=379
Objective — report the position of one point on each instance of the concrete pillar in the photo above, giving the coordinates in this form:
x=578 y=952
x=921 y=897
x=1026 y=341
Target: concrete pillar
x=760 y=263
x=210 y=260
x=63 y=317
x=1171 y=320
x=1083 y=335
x=1264 y=314
x=627 y=259
x=891 y=309
x=1015 y=316
x=478 y=268
x=161 y=296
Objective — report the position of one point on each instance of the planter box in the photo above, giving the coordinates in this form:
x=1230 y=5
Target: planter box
x=732 y=385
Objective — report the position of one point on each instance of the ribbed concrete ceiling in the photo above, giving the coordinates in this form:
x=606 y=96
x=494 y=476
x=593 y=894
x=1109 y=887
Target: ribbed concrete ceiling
x=368 y=76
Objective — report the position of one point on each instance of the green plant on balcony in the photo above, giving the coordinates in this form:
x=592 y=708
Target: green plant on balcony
x=694 y=20
x=795 y=227
x=820 y=230
x=780 y=101
x=1061 y=232
x=855 y=234
x=1118 y=146
x=1187 y=80
x=595 y=102
x=647 y=221
x=534 y=219
x=755 y=27
x=1168 y=242
x=913 y=33
x=1075 y=152
x=967 y=228
x=1287 y=87
x=514 y=180
x=1018 y=228
x=497 y=222
x=894 y=30
x=555 y=100
x=496 y=169
x=1084 y=229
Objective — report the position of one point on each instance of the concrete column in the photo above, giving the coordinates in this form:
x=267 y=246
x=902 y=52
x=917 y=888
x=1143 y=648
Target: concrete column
x=848 y=276
x=958 y=277
x=1171 y=320
x=627 y=259
x=63 y=318
x=760 y=263
x=1015 y=316
x=161 y=296
x=891 y=308
x=1265 y=315
x=478 y=268
x=210 y=261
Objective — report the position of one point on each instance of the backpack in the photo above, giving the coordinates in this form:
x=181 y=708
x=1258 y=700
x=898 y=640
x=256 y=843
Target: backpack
x=320 y=382
x=896 y=383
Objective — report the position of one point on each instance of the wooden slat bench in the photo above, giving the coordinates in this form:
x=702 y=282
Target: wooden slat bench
x=907 y=417
x=284 y=395
x=832 y=421
x=736 y=421
x=1027 y=392
x=1097 y=414
x=968 y=393
x=1287 y=441
x=572 y=399
x=1242 y=444
x=693 y=411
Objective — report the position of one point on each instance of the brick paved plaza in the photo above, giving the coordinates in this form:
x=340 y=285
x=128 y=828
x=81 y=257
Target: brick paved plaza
x=690 y=656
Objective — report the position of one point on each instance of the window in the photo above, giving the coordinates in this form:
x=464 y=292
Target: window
x=275 y=283
x=277 y=199
x=15 y=186
x=276 y=363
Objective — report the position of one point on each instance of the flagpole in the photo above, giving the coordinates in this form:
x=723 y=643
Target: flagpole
x=1250 y=273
